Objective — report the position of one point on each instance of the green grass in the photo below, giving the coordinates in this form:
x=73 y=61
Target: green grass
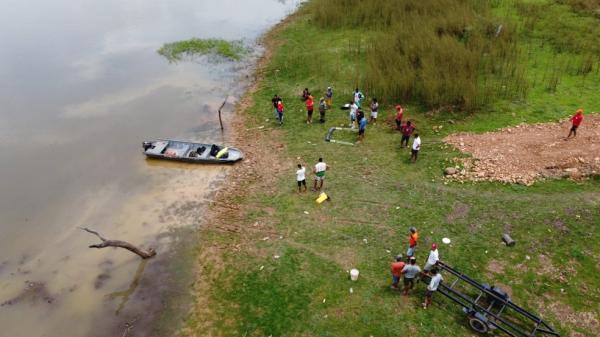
x=176 y=51
x=377 y=195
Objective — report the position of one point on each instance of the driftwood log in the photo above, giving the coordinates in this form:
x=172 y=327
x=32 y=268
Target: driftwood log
x=144 y=254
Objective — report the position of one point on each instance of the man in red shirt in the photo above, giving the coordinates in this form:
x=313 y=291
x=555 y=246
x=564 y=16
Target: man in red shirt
x=406 y=130
x=397 y=271
x=280 y=111
x=399 y=114
x=576 y=120
x=309 y=108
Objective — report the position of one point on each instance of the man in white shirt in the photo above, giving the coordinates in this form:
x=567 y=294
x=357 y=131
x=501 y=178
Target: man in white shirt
x=320 y=169
x=301 y=177
x=416 y=146
x=436 y=278
x=433 y=258
x=353 y=111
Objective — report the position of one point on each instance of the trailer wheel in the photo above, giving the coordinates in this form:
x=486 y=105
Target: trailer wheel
x=478 y=325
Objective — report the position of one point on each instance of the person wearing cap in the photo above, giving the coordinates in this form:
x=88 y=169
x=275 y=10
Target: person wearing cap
x=412 y=242
x=399 y=115
x=576 y=121
x=329 y=97
x=433 y=258
x=397 y=267
x=433 y=285
x=410 y=272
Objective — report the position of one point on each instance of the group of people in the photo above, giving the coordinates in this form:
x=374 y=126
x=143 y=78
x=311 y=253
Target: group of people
x=409 y=271
x=319 y=170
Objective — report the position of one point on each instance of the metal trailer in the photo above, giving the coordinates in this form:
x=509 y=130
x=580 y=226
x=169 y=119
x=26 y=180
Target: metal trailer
x=488 y=307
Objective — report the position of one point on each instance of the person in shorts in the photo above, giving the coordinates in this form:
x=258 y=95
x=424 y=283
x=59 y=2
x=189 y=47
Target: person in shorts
x=406 y=130
x=322 y=109
x=432 y=287
x=301 y=178
x=575 y=122
x=416 y=146
x=433 y=258
x=310 y=103
x=329 y=97
x=396 y=268
x=413 y=237
x=374 y=110
x=320 y=169
x=410 y=272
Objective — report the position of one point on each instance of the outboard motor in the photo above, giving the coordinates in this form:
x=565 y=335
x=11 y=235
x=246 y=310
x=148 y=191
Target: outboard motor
x=146 y=145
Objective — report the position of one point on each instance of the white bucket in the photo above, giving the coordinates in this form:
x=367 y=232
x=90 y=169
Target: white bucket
x=354 y=274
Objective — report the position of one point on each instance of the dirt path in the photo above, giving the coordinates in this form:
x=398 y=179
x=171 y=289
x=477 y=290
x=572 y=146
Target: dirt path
x=529 y=152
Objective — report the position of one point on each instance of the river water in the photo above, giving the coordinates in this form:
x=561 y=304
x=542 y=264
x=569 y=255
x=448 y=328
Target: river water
x=81 y=86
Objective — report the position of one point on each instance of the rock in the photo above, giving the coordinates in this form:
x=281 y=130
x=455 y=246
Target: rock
x=450 y=171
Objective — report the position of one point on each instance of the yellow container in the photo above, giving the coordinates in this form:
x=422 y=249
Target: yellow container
x=322 y=197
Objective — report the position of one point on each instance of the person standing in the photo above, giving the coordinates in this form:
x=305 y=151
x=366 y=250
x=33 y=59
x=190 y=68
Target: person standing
x=322 y=108
x=329 y=97
x=410 y=272
x=353 y=111
x=434 y=257
x=301 y=177
x=275 y=100
x=320 y=169
x=362 y=126
x=416 y=146
x=433 y=285
x=374 y=110
x=310 y=103
x=576 y=121
x=399 y=115
x=280 y=111
x=396 y=268
x=358 y=97
x=412 y=241
x=406 y=130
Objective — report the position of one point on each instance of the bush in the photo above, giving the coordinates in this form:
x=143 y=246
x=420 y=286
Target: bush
x=441 y=53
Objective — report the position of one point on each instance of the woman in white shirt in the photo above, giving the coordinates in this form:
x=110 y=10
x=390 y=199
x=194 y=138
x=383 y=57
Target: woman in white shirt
x=301 y=177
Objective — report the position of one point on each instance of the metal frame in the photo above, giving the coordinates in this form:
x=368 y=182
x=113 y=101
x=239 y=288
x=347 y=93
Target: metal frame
x=330 y=134
x=508 y=317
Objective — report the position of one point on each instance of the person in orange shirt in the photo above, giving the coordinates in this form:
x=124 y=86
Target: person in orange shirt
x=397 y=271
x=412 y=242
x=576 y=121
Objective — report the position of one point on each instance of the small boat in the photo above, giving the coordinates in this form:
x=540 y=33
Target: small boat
x=191 y=152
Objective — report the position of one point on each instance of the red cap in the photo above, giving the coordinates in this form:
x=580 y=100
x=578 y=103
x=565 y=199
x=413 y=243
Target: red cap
x=433 y=246
x=398 y=107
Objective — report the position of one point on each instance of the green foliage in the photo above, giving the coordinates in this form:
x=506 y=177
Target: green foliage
x=175 y=51
x=376 y=194
x=441 y=53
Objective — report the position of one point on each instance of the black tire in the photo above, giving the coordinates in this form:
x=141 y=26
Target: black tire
x=478 y=325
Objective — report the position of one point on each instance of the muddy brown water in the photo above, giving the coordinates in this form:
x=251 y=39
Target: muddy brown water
x=81 y=86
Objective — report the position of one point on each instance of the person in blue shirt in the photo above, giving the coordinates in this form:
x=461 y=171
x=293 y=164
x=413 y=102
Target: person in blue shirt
x=362 y=126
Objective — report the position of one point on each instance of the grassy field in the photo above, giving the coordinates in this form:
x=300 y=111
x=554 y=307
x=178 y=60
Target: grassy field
x=377 y=195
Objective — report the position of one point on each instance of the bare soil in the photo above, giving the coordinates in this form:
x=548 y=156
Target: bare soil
x=529 y=152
